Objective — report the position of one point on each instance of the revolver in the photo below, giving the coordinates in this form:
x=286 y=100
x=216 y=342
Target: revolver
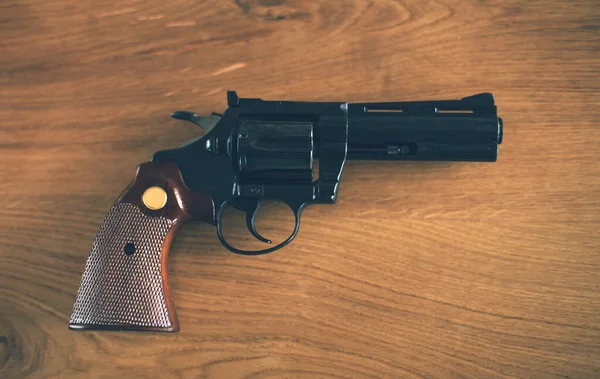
x=256 y=150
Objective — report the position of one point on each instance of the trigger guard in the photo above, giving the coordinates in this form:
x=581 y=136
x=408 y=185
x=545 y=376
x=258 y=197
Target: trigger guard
x=297 y=212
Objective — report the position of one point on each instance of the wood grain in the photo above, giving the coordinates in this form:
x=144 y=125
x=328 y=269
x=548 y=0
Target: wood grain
x=420 y=270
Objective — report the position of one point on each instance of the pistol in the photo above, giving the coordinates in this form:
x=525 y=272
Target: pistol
x=257 y=150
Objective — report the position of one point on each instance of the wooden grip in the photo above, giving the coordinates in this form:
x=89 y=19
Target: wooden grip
x=125 y=283
x=182 y=203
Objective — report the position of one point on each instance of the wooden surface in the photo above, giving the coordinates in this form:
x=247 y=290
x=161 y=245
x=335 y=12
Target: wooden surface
x=421 y=270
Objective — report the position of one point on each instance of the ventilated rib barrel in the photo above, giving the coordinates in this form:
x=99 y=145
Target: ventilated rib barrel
x=449 y=130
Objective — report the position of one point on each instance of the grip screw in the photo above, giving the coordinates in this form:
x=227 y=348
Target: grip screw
x=129 y=248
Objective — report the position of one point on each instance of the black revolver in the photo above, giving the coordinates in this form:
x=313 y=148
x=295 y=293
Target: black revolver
x=257 y=150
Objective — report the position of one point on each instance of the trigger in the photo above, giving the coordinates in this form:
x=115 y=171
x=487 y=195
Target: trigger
x=250 y=207
x=250 y=216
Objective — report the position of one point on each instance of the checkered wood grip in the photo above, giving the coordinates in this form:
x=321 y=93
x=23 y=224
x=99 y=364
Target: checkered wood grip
x=123 y=287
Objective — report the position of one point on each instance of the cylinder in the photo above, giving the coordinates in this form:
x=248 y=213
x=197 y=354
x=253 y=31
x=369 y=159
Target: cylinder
x=275 y=151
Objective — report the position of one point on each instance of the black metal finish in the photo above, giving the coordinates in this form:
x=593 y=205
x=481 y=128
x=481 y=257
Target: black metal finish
x=275 y=151
x=463 y=130
x=266 y=149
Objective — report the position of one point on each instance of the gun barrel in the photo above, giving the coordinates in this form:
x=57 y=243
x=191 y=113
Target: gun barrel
x=461 y=130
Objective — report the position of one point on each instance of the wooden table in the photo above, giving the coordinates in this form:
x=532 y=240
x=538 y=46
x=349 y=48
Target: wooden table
x=482 y=270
